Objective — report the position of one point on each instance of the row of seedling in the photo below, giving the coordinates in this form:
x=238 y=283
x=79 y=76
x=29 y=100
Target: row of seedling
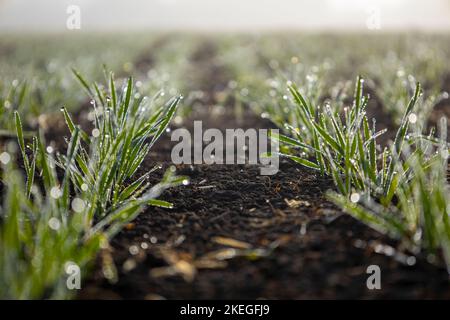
x=61 y=210
x=398 y=188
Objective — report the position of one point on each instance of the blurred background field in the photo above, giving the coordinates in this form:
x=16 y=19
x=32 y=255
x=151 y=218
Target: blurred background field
x=37 y=78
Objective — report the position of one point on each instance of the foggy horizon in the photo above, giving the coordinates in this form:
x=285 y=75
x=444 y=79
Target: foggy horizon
x=231 y=15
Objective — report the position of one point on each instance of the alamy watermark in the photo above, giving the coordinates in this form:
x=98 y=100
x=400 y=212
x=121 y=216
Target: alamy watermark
x=238 y=146
x=373 y=21
x=373 y=282
x=73 y=272
x=73 y=21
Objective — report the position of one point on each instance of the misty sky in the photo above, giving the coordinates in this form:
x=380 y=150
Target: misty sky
x=45 y=15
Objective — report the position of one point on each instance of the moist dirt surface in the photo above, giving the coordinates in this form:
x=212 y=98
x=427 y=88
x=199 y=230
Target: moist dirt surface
x=234 y=234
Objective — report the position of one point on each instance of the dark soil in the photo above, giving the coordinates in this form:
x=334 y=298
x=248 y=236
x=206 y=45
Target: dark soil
x=234 y=234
